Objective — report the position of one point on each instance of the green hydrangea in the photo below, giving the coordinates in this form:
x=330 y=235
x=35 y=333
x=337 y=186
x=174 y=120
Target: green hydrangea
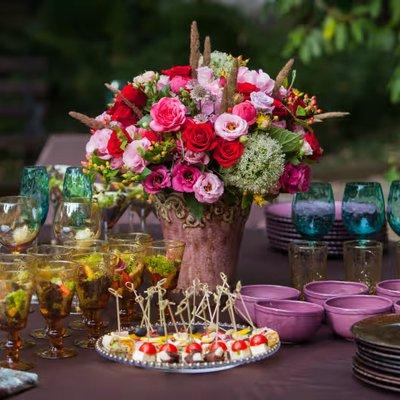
x=260 y=166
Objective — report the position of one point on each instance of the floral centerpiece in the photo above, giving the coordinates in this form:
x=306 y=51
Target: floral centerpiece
x=207 y=140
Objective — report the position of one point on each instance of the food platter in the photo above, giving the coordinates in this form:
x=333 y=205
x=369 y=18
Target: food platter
x=184 y=367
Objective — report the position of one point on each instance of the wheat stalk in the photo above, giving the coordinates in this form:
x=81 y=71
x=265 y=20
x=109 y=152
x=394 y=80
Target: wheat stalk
x=88 y=121
x=207 y=51
x=328 y=115
x=194 y=48
x=282 y=75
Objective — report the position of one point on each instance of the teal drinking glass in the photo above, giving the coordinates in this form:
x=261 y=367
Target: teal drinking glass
x=77 y=184
x=35 y=184
x=313 y=212
x=363 y=208
x=393 y=208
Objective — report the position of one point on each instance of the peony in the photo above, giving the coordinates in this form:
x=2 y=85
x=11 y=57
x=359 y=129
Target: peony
x=230 y=127
x=295 y=178
x=168 y=115
x=132 y=158
x=208 y=188
x=227 y=152
x=98 y=143
x=158 y=179
x=259 y=78
x=198 y=137
x=193 y=157
x=184 y=177
x=179 y=82
x=262 y=101
x=247 y=111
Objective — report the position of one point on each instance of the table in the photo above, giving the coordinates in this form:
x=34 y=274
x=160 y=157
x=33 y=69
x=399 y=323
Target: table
x=320 y=369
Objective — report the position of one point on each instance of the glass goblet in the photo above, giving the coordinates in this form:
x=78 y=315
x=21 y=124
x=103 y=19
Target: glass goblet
x=19 y=222
x=76 y=184
x=77 y=219
x=55 y=287
x=137 y=238
x=16 y=287
x=129 y=266
x=393 y=207
x=94 y=278
x=35 y=183
x=56 y=181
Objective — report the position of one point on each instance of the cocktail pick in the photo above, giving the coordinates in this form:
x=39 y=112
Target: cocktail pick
x=140 y=300
x=169 y=304
x=182 y=307
x=239 y=296
x=161 y=306
x=117 y=297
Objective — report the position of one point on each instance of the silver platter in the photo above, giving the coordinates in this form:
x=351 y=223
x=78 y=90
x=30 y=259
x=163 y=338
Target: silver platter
x=183 y=368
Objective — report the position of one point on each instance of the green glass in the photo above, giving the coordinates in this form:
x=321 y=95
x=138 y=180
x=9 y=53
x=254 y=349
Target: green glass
x=35 y=183
x=76 y=184
x=393 y=209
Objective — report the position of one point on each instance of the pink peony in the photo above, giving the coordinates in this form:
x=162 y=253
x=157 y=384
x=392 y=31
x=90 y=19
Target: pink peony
x=262 y=101
x=98 y=143
x=179 y=82
x=247 y=111
x=159 y=179
x=132 y=158
x=168 y=115
x=230 y=127
x=184 y=177
x=295 y=178
x=257 y=78
x=193 y=157
x=208 y=188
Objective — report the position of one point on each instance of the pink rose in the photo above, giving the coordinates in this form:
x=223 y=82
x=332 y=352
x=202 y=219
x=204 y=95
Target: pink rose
x=208 y=188
x=159 y=179
x=295 y=178
x=230 y=127
x=132 y=158
x=98 y=143
x=168 y=115
x=179 y=82
x=163 y=81
x=184 y=177
x=247 y=111
x=257 y=78
x=193 y=157
x=262 y=101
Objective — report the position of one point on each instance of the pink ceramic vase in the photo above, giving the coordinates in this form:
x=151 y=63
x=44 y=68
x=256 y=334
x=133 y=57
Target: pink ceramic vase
x=212 y=243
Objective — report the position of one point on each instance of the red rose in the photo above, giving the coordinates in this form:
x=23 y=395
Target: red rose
x=245 y=88
x=114 y=146
x=312 y=140
x=178 y=70
x=122 y=113
x=279 y=109
x=152 y=136
x=135 y=96
x=198 y=137
x=227 y=153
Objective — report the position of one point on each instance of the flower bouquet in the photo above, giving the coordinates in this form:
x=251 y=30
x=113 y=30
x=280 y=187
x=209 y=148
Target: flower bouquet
x=206 y=140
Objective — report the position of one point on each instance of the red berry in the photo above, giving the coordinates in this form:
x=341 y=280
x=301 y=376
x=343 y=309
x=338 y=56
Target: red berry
x=148 y=348
x=170 y=348
x=216 y=345
x=258 y=339
x=193 y=348
x=239 y=345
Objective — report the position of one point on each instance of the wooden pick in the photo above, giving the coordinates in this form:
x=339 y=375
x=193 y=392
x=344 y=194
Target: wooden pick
x=117 y=297
x=140 y=300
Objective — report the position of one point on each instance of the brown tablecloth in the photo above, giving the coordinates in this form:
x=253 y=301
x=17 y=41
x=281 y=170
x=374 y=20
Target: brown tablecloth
x=320 y=369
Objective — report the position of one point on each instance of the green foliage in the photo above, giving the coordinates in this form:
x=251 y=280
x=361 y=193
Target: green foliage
x=289 y=141
x=196 y=208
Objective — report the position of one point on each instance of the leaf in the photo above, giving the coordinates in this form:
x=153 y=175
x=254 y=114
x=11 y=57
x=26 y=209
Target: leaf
x=356 y=28
x=247 y=200
x=144 y=174
x=144 y=121
x=289 y=141
x=195 y=208
x=300 y=111
x=329 y=28
x=341 y=36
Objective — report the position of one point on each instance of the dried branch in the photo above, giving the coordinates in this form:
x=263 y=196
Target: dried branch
x=194 y=48
x=116 y=91
x=207 y=51
x=224 y=100
x=282 y=75
x=88 y=121
x=232 y=82
x=328 y=115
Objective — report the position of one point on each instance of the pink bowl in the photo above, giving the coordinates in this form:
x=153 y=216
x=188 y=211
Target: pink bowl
x=397 y=307
x=344 y=311
x=253 y=293
x=319 y=291
x=389 y=289
x=295 y=321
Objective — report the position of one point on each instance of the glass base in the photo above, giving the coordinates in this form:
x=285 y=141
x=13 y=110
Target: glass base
x=40 y=333
x=77 y=325
x=83 y=344
x=66 y=352
x=25 y=344
x=19 y=365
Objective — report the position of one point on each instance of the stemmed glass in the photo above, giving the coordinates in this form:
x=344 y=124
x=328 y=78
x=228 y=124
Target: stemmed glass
x=393 y=217
x=16 y=287
x=94 y=278
x=77 y=219
x=363 y=214
x=76 y=184
x=35 y=183
x=138 y=238
x=55 y=286
x=19 y=222
x=313 y=215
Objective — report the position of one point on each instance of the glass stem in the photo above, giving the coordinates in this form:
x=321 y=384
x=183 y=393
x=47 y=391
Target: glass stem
x=94 y=325
x=142 y=216
x=12 y=348
x=55 y=335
